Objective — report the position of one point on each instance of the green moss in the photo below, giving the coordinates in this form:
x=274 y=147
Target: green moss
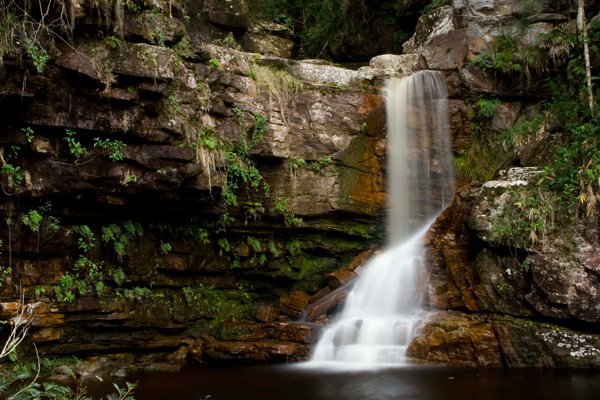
x=216 y=306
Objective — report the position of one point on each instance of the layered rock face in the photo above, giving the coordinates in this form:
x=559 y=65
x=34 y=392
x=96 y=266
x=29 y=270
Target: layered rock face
x=156 y=185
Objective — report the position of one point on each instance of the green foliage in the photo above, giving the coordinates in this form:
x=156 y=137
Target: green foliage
x=296 y=163
x=318 y=165
x=182 y=49
x=65 y=290
x=37 y=54
x=237 y=113
x=528 y=8
x=75 y=147
x=119 y=236
x=207 y=139
x=482 y=159
x=29 y=134
x=253 y=210
x=224 y=244
x=522 y=131
x=273 y=249
x=118 y=276
x=213 y=63
x=86 y=239
x=33 y=220
x=241 y=171
x=129 y=177
x=259 y=130
x=294 y=247
x=504 y=58
x=136 y=293
x=487 y=107
x=165 y=248
x=14 y=174
x=254 y=243
x=281 y=206
x=112 y=41
x=435 y=4
x=576 y=170
x=218 y=306
x=5 y=273
x=114 y=148
x=528 y=215
x=202 y=236
x=228 y=41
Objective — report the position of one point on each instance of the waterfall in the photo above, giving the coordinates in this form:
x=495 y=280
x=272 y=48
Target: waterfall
x=383 y=310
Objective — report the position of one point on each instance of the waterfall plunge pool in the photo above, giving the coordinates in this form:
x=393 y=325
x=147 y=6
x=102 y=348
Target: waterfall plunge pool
x=293 y=382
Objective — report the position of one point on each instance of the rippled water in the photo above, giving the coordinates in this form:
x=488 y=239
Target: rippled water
x=406 y=383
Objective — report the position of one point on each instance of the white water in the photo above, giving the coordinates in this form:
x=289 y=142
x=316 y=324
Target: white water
x=383 y=311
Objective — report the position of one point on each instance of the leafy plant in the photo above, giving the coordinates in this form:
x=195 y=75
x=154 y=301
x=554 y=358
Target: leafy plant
x=29 y=134
x=75 y=147
x=165 y=248
x=86 y=240
x=114 y=148
x=504 y=58
x=14 y=174
x=228 y=41
x=119 y=236
x=281 y=206
x=487 y=107
x=318 y=165
x=112 y=41
x=33 y=220
x=254 y=243
x=213 y=63
x=37 y=54
x=527 y=217
x=259 y=130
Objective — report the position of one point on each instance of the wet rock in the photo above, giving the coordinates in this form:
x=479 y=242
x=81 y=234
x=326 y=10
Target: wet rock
x=238 y=331
x=298 y=332
x=266 y=313
x=267 y=350
x=294 y=304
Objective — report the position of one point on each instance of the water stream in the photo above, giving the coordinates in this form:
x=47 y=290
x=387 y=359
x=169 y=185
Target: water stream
x=383 y=311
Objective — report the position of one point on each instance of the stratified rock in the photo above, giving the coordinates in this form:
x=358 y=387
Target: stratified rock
x=523 y=277
x=294 y=304
x=298 y=332
x=268 y=39
x=387 y=65
x=228 y=13
x=483 y=341
x=155 y=28
x=267 y=350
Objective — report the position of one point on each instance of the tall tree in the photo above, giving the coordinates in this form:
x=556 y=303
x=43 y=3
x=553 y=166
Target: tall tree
x=582 y=26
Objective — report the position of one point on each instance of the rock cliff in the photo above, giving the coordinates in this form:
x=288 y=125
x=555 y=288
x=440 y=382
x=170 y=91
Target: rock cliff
x=173 y=183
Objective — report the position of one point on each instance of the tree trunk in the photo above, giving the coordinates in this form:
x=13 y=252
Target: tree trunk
x=582 y=26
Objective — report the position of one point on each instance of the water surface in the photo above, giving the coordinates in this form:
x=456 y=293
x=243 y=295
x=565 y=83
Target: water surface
x=406 y=383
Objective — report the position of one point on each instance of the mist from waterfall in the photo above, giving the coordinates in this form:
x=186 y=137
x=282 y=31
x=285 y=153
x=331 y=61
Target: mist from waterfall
x=383 y=311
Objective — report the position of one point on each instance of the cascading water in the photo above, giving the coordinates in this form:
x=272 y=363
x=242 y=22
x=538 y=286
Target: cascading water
x=383 y=310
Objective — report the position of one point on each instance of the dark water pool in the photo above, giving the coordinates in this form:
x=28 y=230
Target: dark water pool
x=410 y=383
